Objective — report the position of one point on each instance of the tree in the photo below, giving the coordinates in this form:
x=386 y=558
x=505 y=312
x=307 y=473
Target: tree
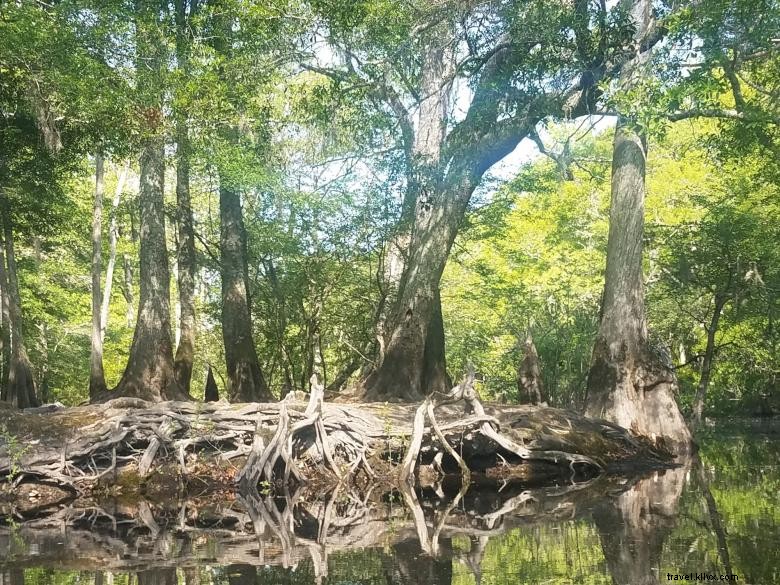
x=185 y=13
x=630 y=382
x=517 y=78
x=97 y=379
x=20 y=390
x=150 y=373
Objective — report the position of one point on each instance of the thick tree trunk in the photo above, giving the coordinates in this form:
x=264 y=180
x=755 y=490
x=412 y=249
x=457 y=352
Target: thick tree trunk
x=243 y=367
x=530 y=389
x=435 y=378
x=113 y=237
x=97 y=379
x=187 y=268
x=629 y=382
x=21 y=384
x=706 y=365
x=415 y=256
x=149 y=373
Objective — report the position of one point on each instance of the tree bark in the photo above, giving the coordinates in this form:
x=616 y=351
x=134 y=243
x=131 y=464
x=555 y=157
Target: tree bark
x=5 y=329
x=530 y=388
x=435 y=378
x=706 y=365
x=20 y=389
x=97 y=379
x=245 y=377
x=149 y=373
x=187 y=268
x=630 y=382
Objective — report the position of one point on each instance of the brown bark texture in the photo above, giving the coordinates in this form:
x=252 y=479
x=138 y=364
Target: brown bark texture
x=245 y=378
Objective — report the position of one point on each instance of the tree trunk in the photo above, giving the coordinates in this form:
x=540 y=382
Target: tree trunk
x=5 y=329
x=407 y=369
x=243 y=368
x=149 y=373
x=435 y=378
x=185 y=351
x=709 y=356
x=211 y=393
x=20 y=390
x=630 y=382
x=530 y=388
x=97 y=379
x=113 y=237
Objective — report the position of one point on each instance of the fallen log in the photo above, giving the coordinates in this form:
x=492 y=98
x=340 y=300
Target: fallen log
x=129 y=446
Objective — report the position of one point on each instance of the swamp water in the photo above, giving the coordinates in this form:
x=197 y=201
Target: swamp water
x=715 y=516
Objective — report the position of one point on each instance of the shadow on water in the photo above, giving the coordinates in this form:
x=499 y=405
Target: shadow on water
x=717 y=515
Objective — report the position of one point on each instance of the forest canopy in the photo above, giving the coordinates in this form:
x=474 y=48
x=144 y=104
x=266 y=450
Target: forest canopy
x=382 y=193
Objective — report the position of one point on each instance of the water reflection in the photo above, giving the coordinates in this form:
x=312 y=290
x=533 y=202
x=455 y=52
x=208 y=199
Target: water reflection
x=717 y=515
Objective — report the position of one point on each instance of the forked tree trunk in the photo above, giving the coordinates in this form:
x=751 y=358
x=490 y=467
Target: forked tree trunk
x=400 y=376
x=97 y=378
x=630 y=383
x=709 y=356
x=185 y=351
x=20 y=390
x=245 y=377
x=408 y=368
x=149 y=373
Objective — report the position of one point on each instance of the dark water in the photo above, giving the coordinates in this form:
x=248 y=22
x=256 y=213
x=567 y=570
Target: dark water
x=719 y=515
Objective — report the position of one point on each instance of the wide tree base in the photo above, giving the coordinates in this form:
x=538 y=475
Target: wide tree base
x=638 y=392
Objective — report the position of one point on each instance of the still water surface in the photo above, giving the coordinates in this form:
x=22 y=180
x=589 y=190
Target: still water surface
x=719 y=515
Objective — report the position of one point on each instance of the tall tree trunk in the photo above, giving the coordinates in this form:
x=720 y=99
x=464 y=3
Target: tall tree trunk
x=5 y=329
x=631 y=383
x=709 y=356
x=149 y=373
x=243 y=367
x=185 y=351
x=113 y=237
x=21 y=384
x=97 y=379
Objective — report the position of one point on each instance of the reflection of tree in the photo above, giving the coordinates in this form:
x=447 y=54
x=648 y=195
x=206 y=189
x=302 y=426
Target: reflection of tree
x=633 y=526
x=411 y=566
x=164 y=576
x=12 y=577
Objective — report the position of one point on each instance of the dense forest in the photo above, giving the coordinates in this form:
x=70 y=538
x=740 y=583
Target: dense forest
x=220 y=198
